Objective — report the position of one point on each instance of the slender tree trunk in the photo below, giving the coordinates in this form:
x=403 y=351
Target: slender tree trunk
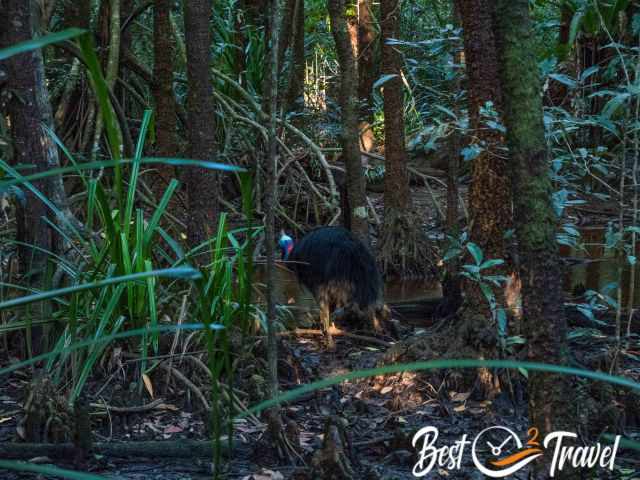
x=535 y=220
x=367 y=71
x=164 y=50
x=75 y=14
x=113 y=64
x=349 y=110
x=275 y=424
x=295 y=87
x=201 y=184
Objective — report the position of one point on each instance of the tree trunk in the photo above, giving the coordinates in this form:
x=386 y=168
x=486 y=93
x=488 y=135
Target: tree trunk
x=402 y=247
x=349 y=109
x=295 y=88
x=113 y=64
x=201 y=184
x=29 y=110
x=164 y=49
x=490 y=192
x=396 y=180
x=367 y=71
x=535 y=221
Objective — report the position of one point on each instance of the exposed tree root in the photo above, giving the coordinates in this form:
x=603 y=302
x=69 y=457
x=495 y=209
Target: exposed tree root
x=404 y=250
x=333 y=460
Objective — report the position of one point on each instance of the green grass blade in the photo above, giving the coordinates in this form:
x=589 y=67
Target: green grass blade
x=153 y=310
x=439 y=365
x=40 y=42
x=99 y=164
x=135 y=171
x=23 y=181
x=108 y=339
x=179 y=272
x=47 y=470
x=159 y=211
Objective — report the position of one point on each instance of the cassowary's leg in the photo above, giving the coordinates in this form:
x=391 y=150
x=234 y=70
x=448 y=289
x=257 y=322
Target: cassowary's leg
x=325 y=322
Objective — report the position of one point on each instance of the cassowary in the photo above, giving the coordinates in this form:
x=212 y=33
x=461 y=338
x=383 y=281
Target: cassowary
x=341 y=274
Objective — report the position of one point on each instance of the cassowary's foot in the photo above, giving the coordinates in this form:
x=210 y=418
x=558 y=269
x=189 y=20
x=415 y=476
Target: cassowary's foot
x=325 y=322
x=286 y=439
x=333 y=460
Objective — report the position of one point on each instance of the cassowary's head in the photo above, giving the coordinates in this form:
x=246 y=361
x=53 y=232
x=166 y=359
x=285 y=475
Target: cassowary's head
x=285 y=244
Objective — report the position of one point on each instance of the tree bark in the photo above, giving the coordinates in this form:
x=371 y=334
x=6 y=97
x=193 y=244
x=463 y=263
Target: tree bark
x=349 y=110
x=490 y=192
x=295 y=88
x=396 y=179
x=367 y=71
x=164 y=49
x=535 y=221
x=202 y=185
x=403 y=246
x=28 y=109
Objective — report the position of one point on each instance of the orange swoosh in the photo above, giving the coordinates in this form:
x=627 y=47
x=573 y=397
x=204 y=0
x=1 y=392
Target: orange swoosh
x=516 y=456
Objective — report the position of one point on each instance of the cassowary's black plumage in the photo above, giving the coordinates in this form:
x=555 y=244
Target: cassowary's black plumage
x=334 y=256
x=340 y=272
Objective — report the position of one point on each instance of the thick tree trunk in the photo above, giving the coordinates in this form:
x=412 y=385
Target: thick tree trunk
x=201 y=184
x=396 y=179
x=28 y=109
x=490 y=192
x=166 y=122
x=349 y=109
x=535 y=220
x=367 y=71
x=402 y=248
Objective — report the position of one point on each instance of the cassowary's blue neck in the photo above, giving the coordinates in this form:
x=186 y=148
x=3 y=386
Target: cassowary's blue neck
x=286 y=245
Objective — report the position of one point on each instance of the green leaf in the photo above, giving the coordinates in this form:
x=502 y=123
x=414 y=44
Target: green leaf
x=564 y=79
x=384 y=79
x=576 y=24
x=476 y=252
x=447 y=111
x=492 y=263
x=40 y=42
x=588 y=72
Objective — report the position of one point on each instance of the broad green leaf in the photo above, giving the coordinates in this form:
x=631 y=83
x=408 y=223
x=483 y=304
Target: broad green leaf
x=476 y=252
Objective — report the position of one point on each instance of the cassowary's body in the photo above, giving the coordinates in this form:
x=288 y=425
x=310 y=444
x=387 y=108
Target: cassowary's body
x=341 y=274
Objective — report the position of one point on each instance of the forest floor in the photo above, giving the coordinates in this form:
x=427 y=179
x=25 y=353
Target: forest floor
x=380 y=416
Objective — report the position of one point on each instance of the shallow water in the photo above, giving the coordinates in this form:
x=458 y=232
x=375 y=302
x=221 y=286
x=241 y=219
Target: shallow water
x=300 y=301
x=596 y=267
